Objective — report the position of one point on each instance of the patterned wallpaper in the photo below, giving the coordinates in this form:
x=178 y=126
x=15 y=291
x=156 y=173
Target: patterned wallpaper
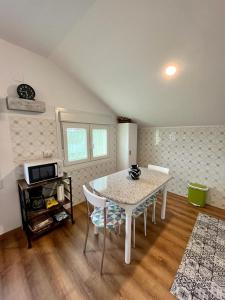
x=32 y=136
x=192 y=154
x=195 y=154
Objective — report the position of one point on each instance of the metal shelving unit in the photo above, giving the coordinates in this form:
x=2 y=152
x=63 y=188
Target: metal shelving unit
x=28 y=215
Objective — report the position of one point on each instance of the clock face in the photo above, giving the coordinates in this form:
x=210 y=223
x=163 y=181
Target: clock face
x=25 y=91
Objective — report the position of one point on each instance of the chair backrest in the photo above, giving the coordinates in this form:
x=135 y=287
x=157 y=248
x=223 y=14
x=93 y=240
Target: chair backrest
x=94 y=199
x=159 y=169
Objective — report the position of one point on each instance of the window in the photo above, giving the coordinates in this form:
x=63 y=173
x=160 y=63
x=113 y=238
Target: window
x=76 y=142
x=84 y=142
x=99 y=141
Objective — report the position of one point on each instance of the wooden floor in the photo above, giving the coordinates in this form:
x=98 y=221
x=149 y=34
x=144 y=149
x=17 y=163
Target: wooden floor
x=55 y=268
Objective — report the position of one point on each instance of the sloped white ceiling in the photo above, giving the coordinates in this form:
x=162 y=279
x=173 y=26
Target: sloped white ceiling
x=39 y=25
x=119 y=49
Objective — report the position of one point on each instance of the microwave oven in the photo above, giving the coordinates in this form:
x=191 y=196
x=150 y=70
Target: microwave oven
x=40 y=170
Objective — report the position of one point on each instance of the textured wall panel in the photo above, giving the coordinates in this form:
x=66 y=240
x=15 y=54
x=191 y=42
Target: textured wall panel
x=194 y=154
x=33 y=136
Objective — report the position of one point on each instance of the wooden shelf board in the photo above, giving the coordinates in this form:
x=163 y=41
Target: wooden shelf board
x=52 y=226
x=25 y=186
x=33 y=214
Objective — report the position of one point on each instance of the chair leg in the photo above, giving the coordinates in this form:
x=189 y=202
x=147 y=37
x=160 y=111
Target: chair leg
x=103 y=250
x=87 y=231
x=153 y=213
x=133 y=232
x=145 y=221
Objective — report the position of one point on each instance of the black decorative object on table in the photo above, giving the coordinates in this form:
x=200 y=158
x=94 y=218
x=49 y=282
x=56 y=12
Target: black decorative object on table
x=25 y=91
x=134 y=172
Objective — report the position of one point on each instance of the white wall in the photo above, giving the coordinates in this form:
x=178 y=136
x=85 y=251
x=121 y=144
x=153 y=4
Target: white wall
x=54 y=87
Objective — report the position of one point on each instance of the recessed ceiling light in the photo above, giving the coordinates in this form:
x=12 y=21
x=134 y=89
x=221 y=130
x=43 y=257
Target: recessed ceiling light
x=170 y=70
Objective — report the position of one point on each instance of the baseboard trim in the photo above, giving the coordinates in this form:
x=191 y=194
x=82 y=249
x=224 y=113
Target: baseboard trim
x=7 y=233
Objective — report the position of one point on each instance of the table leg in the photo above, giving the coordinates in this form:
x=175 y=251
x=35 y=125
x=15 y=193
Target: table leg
x=95 y=230
x=163 y=209
x=128 y=236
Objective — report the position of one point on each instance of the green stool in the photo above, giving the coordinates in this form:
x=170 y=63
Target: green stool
x=197 y=194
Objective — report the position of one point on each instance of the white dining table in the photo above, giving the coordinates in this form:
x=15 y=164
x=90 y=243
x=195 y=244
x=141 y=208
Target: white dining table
x=128 y=194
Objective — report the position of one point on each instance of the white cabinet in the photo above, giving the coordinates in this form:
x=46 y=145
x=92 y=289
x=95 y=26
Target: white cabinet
x=126 y=145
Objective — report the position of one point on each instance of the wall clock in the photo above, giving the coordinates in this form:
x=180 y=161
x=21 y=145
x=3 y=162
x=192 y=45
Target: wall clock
x=25 y=91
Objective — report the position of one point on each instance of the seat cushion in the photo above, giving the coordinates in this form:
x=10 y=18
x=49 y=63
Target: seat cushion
x=139 y=210
x=150 y=200
x=136 y=212
x=114 y=217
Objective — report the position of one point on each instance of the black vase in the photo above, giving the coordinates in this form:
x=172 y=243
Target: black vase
x=134 y=172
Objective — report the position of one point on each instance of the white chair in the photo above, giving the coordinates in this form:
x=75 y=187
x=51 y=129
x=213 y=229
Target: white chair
x=143 y=209
x=159 y=169
x=138 y=211
x=149 y=201
x=104 y=216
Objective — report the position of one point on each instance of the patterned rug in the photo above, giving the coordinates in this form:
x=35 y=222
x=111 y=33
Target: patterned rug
x=201 y=274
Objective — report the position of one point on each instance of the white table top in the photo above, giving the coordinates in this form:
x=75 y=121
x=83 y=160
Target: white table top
x=120 y=188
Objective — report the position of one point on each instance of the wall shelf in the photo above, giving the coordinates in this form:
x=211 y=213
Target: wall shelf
x=14 y=103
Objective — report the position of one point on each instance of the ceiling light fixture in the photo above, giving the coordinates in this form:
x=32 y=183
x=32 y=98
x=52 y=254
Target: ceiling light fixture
x=170 y=70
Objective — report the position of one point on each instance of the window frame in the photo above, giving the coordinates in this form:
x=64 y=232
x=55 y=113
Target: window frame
x=65 y=143
x=95 y=126
x=89 y=128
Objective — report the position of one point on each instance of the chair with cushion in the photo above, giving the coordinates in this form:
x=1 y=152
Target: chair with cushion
x=141 y=209
x=104 y=216
x=138 y=211
x=152 y=199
